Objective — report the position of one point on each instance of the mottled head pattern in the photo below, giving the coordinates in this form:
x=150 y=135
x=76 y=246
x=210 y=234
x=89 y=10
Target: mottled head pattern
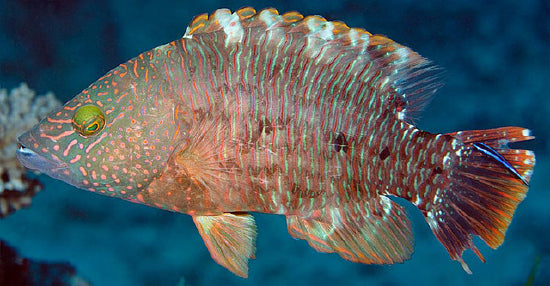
x=112 y=138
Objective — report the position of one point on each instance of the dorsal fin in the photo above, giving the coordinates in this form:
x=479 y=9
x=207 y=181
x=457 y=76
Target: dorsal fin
x=411 y=76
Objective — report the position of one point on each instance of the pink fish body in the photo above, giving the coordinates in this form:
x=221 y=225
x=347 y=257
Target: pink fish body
x=260 y=112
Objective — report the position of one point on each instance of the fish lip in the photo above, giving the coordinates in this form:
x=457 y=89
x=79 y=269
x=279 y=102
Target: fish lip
x=32 y=160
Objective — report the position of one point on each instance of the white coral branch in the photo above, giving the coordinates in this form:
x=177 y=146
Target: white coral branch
x=20 y=109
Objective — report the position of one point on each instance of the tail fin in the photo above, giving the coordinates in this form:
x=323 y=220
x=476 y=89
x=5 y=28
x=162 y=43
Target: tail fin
x=486 y=183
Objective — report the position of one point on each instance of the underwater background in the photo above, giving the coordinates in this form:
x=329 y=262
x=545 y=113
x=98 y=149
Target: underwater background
x=496 y=57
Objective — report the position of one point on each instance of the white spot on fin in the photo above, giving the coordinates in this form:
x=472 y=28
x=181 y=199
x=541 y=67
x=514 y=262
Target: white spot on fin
x=386 y=204
x=446 y=160
x=187 y=35
x=401 y=114
x=417 y=200
x=323 y=30
x=431 y=220
x=231 y=25
x=336 y=217
x=403 y=54
x=352 y=34
x=269 y=18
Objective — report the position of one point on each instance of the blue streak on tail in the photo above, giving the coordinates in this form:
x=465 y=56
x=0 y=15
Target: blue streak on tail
x=483 y=148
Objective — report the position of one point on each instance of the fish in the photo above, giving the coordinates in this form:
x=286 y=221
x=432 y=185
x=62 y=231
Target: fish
x=290 y=115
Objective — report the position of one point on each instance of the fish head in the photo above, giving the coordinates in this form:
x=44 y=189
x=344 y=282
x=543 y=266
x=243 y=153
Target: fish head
x=115 y=137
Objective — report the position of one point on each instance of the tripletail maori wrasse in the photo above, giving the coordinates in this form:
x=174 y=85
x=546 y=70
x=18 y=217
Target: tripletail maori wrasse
x=284 y=114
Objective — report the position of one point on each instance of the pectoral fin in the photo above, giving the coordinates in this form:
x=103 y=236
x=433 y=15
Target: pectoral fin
x=230 y=238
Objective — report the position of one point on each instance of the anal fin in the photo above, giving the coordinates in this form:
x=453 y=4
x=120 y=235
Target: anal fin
x=230 y=238
x=375 y=232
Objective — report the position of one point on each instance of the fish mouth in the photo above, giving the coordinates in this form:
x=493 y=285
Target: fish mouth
x=35 y=161
x=40 y=161
x=52 y=167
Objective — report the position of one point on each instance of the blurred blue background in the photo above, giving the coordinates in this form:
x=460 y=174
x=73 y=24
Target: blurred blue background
x=496 y=57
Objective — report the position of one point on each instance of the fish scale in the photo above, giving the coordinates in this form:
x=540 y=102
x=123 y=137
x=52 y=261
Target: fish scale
x=284 y=114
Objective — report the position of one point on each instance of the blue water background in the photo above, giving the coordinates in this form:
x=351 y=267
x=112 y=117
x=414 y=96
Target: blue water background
x=496 y=56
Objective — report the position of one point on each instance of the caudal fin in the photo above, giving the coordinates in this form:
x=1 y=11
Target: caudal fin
x=486 y=183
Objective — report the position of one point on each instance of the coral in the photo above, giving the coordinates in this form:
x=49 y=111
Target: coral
x=17 y=270
x=20 y=109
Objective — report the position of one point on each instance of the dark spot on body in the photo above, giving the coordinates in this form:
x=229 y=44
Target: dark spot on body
x=384 y=154
x=264 y=125
x=5 y=176
x=260 y=126
x=340 y=143
x=438 y=170
x=304 y=193
x=282 y=123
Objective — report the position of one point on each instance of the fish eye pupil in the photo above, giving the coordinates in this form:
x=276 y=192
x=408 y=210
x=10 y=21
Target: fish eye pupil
x=93 y=127
x=88 y=120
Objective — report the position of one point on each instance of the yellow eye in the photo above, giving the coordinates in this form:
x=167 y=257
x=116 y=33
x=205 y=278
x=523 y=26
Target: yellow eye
x=88 y=120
